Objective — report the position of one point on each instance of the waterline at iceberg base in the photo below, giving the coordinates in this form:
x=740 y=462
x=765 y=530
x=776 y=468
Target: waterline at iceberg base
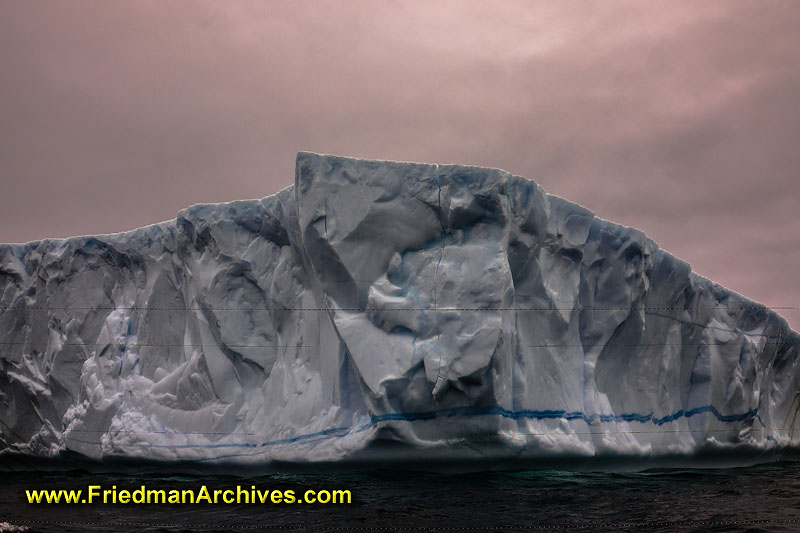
x=385 y=314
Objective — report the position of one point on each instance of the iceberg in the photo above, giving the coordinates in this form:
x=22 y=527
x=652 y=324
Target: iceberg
x=386 y=314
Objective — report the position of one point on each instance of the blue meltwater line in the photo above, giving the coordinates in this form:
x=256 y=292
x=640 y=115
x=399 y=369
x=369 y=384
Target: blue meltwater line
x=340 y=432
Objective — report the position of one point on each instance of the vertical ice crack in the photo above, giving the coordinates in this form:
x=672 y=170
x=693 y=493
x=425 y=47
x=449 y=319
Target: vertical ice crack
x=435 y=290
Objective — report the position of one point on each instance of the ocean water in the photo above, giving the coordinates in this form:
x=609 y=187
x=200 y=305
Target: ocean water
x=760 y=498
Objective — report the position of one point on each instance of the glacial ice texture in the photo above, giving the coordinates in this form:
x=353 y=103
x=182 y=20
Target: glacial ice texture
x=386 y=313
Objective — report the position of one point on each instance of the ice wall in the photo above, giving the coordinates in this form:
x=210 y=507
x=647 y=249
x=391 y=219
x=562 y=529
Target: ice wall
x=391 y=313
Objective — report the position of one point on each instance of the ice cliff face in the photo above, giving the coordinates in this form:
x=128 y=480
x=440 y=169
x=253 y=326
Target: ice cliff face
x=386 y=312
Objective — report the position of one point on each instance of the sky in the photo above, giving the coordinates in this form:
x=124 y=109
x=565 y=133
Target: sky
x=679 y=118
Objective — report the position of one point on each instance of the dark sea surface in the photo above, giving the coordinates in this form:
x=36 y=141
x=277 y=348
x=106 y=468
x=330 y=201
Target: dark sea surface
x=760 y=498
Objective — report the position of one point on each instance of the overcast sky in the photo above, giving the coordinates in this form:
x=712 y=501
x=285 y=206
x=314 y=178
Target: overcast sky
x=678 y=118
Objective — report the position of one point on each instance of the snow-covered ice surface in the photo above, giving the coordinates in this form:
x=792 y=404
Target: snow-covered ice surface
x=393 y=314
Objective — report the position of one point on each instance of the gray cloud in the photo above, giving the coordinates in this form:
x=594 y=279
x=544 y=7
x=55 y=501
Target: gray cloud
x=677 y=117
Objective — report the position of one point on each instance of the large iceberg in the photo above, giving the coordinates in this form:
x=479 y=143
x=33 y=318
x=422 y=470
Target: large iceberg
x=385 y=313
